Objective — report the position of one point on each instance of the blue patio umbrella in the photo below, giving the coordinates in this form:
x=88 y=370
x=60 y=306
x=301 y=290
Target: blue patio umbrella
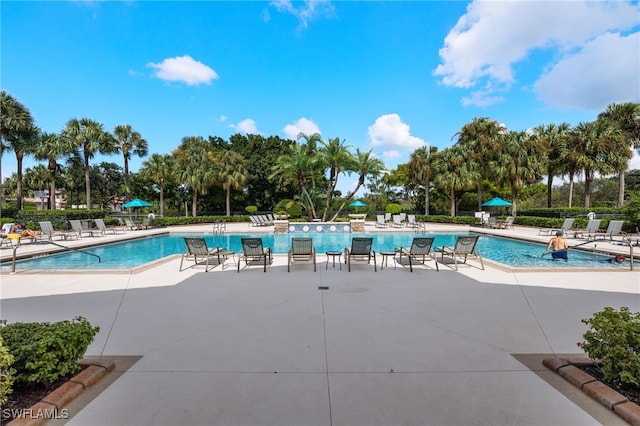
x=357 y=203
x=136 y=202
x=496 y=202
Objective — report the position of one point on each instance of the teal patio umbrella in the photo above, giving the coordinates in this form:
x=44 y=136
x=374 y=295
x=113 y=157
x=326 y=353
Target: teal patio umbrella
x=136 y=202
x=496 y=202
x=357 y=203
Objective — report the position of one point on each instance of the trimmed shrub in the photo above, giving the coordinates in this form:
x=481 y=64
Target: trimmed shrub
x=613 y=338
x=393 y=208
x=6 y=372
x=251 y=209
x=44 y=351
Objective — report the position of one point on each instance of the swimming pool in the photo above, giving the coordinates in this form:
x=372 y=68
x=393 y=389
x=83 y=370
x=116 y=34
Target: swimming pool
x=134 y=253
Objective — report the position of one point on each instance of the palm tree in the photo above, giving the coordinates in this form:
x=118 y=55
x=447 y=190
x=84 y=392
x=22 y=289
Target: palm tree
x=335 y=156
x=89 y=138
x=295 y=168
x=36 y=178
x=18 y=131
x=129 y=142
x=231 y=172
x=553 y=143
x=51 y=148
x=419 y=170
x=454 y=172
x=159 y=169
x=592 y=144
x=479 y=138
x=516 y=162
x=626 y=117
x=196 y=172
x=365 y=165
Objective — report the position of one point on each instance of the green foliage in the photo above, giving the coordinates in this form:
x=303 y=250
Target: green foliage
x=632 y=212
x=9 y=210
x=191 y=220
x=59 y=218
x=251 y=209
x=43 y=351
x=568 y=212
x=292 y=208
x=613 y=338
x=463 y=220
x=393 y=208
x=6 y=372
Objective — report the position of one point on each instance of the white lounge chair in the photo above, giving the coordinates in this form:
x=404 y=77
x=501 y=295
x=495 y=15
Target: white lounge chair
x=380 y=221
x=104 y=229
x=48 y=232
x=76 y=226
x=565 y=228
x=592 y=227
x=614 y=229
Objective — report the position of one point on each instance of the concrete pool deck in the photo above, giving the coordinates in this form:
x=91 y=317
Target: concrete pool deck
x=376 y=348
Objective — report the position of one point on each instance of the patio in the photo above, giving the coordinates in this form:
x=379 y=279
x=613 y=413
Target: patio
x=376 y=348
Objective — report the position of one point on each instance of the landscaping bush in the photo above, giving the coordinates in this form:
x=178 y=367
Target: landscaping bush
x=6 y=373
x=393 y=208
x=251 y=209
x=613 y=338
x=44 y=351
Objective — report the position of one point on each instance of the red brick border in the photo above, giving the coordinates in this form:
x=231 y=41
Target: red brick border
x=619 y=404
x=51 y=406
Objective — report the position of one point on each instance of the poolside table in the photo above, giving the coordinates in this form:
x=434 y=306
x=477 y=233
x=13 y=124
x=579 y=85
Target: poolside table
x=333 y=254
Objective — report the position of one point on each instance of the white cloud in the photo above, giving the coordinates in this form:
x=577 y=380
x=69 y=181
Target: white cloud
x=223 y=118
x=246 y=126
x=184 y=69
x=613 y=64
x=492 y=37
x=306 y=11
x=393 y=137
x=303 y=125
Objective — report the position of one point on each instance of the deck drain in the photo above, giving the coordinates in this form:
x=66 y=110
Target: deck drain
x=323 y=287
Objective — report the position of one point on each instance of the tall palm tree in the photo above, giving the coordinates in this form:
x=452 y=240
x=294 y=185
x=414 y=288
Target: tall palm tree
x=592 y=144
x=129 y=142
x=454 y=172
x=17 y=133
x=517 y=162
x=159 y=169
x=626 y=117
x=51 y=148
x=479 y=138
x=232 y=173
x=553 y=144
x=419 y=170
x=89 y=138
x=196 y=172
x=334 y=156
x=366 y=165
x=296 y=168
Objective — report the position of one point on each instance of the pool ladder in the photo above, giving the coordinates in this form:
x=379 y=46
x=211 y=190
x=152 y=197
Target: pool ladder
x=623 y=242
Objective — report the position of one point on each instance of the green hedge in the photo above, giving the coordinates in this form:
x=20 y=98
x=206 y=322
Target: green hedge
x=460 y=220
x=6 y=372
x=562 y=212
x=44 y=351
x=191 y=220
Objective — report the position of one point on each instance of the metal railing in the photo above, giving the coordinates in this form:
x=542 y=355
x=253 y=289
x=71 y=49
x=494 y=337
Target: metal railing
x=17 y=245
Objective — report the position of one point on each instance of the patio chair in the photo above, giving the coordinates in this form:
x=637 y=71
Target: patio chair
x=129 y=224
x=614 y=229
x=48 y=232
x=264 y=220
x=592 y=227
x=301 y=250
x=380 y=221
x=464 y=248
x=397 y=221
x=197 y=250
x=387 y=217
x=76 y=227
x=6 y=230
x=361 y=250
x=411 y=221
x=507 y=224
x=103 y=229
x=566 y=226
x=253 y=250
x=419 y=252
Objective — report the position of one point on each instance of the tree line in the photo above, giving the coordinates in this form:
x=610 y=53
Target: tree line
x=262 y=171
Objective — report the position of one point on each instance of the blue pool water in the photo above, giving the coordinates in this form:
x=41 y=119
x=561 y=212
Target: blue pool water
x=134 y=253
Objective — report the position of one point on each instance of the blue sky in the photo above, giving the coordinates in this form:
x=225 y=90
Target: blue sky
x=387 y=76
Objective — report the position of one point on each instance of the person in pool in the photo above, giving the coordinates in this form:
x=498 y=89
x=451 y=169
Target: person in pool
x=559 y=246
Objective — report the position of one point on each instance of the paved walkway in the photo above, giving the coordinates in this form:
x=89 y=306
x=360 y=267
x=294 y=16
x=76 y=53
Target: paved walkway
x=375 y=348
